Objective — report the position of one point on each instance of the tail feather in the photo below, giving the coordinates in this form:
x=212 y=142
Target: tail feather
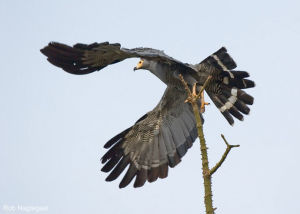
x=240 y=74
x=234 y=91
x=242 y=107
x=238 y=82
x=239 y=104
x=222 y=60
x=216 y=100
x=232 y=110
x=225 y=88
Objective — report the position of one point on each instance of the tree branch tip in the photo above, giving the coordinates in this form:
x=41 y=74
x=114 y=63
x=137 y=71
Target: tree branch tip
x=205 y=83
x=228 y=145
x=223 y=137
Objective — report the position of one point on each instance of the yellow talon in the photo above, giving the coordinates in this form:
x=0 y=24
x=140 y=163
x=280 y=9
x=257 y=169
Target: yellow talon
x=203 y=103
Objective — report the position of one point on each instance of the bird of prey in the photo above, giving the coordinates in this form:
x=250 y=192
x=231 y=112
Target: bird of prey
x=160 y=138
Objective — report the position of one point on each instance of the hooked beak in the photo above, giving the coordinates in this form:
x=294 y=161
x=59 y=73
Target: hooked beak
x=139 y=65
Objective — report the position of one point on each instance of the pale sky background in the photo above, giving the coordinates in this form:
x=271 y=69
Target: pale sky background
x=54 y=124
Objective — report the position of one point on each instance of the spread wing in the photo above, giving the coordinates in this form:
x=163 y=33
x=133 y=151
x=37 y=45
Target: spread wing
x=84 y=59
x=158 y=140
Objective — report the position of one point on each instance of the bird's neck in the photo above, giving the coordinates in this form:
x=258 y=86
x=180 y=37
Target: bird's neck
x=160 y=70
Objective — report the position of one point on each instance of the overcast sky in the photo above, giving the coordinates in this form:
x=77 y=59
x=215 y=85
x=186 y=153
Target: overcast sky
x=54 y=125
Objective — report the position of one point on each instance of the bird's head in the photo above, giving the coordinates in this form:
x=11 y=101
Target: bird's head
x=142 y=64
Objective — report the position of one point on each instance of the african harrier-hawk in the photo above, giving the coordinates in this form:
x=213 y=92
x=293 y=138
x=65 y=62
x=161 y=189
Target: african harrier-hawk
x=161 y=137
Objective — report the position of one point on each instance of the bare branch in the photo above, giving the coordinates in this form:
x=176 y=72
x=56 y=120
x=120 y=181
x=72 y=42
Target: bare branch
x=229 y=147
x=204 y=85
x=206 y=172
x=192 y=98
x=185 y=85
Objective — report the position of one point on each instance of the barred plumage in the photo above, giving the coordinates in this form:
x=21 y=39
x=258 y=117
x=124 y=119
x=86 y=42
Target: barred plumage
x=226 y=84
x=160 y=138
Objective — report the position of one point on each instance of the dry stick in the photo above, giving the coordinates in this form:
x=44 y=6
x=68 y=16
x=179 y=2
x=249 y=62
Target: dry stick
x=206 y=172
x=229 y=147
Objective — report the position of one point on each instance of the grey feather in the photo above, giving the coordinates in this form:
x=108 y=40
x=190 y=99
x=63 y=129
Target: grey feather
x=161 y=137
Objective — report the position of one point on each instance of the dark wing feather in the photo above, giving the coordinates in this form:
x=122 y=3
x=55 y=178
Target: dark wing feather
x=83 y=59
x=155 y=142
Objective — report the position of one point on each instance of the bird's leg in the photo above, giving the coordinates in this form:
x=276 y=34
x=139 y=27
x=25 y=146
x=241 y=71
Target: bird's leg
x=203 y=103
x=195 y=96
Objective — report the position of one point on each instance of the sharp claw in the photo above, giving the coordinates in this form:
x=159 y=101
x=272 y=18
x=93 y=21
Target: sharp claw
x=194 y=96
x=203 y=103
x=202 y=110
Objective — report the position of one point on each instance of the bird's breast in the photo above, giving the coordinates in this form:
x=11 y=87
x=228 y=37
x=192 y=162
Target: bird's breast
x=163 y=72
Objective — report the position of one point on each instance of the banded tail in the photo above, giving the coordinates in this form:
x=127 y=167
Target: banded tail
x=225 y=88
